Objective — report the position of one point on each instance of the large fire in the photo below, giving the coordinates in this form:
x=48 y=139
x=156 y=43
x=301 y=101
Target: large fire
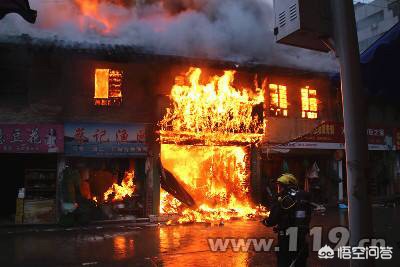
x=215 y=173
x=215 y=176
x=214 y=112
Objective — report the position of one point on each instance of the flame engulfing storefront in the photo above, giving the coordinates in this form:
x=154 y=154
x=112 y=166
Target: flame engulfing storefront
x=205 y=139
x=107 y=161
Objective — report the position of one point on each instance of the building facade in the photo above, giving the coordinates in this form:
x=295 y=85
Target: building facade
x=81 y=118
x=374 y=19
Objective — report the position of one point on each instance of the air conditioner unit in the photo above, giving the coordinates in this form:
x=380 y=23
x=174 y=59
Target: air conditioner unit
x=303 y=23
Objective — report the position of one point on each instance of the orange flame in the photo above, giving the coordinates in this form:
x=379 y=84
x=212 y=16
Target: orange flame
x=169 y=204
x=217 y=179
x=99 y=17
x=213 y=112
x=215 y=174
x=119 y=192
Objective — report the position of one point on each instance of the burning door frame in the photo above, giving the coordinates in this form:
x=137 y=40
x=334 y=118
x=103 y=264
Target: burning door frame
x=216 y=121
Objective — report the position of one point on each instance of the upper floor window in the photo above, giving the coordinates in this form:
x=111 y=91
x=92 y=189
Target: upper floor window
x=370 y=20
x=278 y=100
x=108 y=87
x=309 y=105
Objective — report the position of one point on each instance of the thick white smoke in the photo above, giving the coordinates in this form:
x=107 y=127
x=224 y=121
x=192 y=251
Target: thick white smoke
x=239 y=30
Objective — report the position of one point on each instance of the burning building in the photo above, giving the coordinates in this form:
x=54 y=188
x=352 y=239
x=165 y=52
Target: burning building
x=98 y=108
x=132 y=128
x=123 y=113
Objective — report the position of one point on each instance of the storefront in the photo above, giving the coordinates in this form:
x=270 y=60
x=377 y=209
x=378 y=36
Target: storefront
x=318 y=160
x=28 y=161
x=104 y=171
x=316 y=170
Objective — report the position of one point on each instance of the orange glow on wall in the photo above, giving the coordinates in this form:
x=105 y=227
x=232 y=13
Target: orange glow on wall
x=309 y=104
x=278 y=100
x=108 y=87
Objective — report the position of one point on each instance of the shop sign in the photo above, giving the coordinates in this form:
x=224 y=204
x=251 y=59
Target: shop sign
x=105 y=140
x=330 y=135
x=327 y=132
x=380 y=139
x=31 y=138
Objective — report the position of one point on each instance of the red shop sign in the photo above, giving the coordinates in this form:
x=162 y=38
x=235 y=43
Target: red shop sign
x=31 y=138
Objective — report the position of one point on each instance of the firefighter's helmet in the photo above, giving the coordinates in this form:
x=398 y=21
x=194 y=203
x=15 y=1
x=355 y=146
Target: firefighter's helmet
x=287 y=179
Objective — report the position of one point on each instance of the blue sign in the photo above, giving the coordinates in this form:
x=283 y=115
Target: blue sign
x=104 y=140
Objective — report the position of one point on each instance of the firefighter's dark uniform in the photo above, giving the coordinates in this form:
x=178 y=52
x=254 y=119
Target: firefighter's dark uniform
x=291 y=210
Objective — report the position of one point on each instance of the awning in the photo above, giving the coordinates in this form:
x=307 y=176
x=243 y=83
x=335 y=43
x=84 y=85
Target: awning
x=384 y=42
x=380 y=64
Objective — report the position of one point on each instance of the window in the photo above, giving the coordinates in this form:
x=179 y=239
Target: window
x=309 y=105
x=395 y=8
x=371 y=19
x=278 y=100
x=108 y=87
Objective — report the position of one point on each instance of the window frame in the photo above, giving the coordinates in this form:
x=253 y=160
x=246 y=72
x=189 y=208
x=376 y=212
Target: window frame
x=110 y=101
x=275 y=107
x=309 y=110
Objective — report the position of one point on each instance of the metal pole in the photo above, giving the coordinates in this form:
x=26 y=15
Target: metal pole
x=354 y=114
x=340 y=176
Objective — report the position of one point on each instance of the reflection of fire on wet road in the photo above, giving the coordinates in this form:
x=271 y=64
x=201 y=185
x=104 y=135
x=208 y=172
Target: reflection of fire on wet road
x=188 y=246
x=205 y=138
x=169 y=246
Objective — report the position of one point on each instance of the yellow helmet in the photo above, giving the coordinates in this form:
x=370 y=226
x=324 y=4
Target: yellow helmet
x=287 y=179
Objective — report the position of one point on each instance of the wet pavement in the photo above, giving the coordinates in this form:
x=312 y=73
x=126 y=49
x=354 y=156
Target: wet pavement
x=155 y=245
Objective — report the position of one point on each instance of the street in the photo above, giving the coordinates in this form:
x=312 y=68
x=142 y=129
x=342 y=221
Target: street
x=154 y=245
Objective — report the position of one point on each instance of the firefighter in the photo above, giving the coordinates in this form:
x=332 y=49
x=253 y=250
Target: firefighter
x=291 y=209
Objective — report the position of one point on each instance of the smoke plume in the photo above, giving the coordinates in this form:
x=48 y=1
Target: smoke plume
x=238 y=30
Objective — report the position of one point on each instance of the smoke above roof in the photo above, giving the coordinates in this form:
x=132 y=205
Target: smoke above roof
x=237 y=30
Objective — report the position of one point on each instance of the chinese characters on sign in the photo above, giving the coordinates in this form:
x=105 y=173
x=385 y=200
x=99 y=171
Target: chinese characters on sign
x=105 y=140
x=330 y=135
x=31 y=138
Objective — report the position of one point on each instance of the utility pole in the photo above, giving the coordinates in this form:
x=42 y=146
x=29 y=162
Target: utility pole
x=306 y=24
x=354 y=115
